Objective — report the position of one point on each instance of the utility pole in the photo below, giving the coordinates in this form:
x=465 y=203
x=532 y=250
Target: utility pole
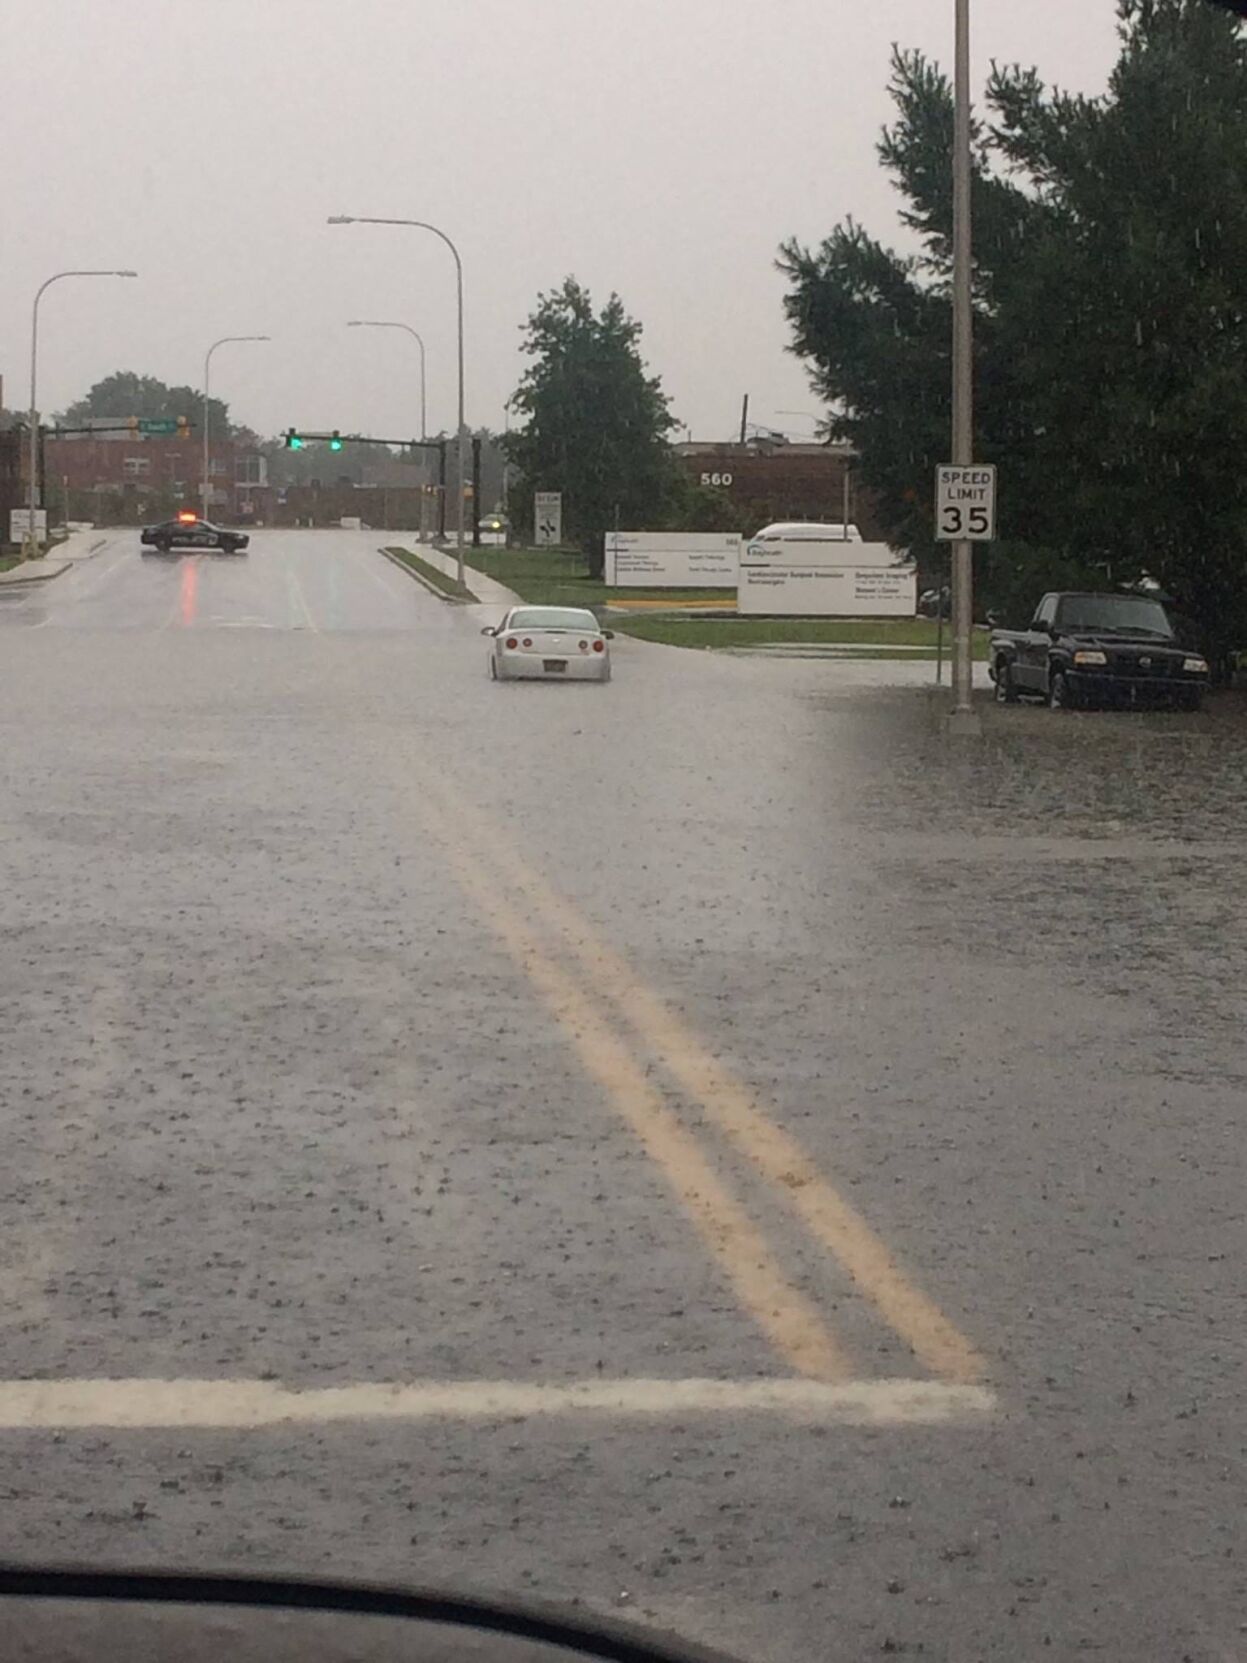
x=205 y=483
x=375 y=323
x=962 y=719
x=32 y=545
x=744 y=417
x=424 y=225
x=476 y=491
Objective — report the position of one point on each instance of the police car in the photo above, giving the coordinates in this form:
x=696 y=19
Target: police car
x=188 y=531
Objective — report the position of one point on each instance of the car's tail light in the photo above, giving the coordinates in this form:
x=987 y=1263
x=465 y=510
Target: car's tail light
x=584 y=646
x=528 y=640
x=512 y=642
x=599 y=646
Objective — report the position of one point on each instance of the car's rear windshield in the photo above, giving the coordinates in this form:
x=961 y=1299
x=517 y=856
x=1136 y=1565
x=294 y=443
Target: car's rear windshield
x=552 y=617
x=1114 y=612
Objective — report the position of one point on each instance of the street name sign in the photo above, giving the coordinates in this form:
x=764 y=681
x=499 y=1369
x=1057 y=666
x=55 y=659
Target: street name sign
x=965 y=503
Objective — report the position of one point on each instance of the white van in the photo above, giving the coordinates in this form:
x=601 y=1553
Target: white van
x=799 y=540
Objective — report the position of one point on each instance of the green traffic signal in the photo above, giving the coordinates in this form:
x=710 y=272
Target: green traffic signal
x=335 y=442
x=293 y=441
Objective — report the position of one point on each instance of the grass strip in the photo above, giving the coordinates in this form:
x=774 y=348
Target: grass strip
x=560 y=577
x=433 y=575
x=885 y=634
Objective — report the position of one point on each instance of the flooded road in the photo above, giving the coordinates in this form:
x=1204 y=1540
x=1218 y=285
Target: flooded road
x=699 y=1146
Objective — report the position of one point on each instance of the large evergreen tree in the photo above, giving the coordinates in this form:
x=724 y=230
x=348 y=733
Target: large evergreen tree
x=595 y=423
x=1111 y=317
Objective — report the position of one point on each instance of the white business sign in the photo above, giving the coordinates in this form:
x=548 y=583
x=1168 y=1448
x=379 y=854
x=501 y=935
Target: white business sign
x=19 y=523
x=548 y=518
x=965 y=503
x=672 y=559
x=828 y=591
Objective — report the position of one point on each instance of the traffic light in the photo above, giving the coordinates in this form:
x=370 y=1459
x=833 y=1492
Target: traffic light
x=335 y=440
x=184 y=428
x=132 y=422
x=293 y=441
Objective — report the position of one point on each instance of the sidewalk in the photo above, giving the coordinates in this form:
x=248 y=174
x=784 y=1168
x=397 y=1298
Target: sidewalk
x=78 y=546
x=486 y=589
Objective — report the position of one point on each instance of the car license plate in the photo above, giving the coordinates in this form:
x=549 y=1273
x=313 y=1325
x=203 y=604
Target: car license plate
x=553 y=665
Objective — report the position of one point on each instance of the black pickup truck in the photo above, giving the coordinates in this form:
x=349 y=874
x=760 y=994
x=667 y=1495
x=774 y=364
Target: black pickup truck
x=1097 y=650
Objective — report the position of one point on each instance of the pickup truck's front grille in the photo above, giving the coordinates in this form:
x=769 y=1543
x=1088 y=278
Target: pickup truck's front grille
x=1144 y=665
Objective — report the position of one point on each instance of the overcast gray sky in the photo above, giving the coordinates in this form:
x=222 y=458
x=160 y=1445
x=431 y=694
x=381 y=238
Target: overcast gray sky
x=662 y=148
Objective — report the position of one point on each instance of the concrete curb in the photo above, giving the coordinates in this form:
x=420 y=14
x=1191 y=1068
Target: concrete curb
x=7 y=582
x=417 y=577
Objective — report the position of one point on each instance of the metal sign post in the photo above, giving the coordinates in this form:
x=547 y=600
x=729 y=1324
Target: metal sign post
x=962 y=718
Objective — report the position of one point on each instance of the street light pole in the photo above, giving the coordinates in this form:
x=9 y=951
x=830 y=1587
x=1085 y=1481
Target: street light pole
x=224 y=341
x=963 y=717
x=32 y=540
x=373 y=323
x=423 y=225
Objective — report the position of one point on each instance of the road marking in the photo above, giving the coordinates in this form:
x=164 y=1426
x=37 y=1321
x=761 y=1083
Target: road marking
x=294 y=590
x=140 y=1405
x=831 y=1219
x=101 y=577
x=42 y=1155
x=789 y=1319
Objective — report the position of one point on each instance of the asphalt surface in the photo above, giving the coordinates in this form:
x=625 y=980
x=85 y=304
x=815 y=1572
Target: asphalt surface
x=699 y=1147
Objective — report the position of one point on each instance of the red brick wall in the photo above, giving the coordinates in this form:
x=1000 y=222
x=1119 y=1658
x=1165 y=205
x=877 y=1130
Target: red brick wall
x=786 y=482
x=87 y=462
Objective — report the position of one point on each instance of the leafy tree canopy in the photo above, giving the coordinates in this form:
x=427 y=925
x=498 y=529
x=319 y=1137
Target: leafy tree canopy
x=124 y=394
x=594 y=423
x=1111 y=316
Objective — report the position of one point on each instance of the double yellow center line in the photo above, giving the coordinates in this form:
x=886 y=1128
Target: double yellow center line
x=488 y=868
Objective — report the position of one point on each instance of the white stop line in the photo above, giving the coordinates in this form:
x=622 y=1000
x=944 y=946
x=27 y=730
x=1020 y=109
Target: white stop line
x=35 y=1405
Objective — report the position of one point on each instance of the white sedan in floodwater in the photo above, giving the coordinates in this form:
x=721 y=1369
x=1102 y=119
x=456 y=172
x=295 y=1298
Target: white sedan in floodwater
x=549 y=643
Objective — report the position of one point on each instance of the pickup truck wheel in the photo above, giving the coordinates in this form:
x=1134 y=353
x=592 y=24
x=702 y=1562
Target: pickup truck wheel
x=1006 y=692
x=1061 y=695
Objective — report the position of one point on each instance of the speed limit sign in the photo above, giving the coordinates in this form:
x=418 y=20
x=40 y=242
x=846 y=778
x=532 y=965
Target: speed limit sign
x=965 y=503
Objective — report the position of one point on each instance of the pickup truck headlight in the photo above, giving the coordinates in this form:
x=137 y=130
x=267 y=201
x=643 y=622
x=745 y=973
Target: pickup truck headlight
x=1090 y=655
x=1197 y=666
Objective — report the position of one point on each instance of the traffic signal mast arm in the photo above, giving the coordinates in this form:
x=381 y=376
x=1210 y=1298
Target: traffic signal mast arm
x=295 y=438
x=181 y=428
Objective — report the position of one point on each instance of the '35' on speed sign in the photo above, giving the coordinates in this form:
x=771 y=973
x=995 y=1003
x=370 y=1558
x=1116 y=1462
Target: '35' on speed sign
x=965 y=503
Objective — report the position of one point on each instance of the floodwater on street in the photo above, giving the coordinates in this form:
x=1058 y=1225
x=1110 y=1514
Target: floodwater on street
x=703 y=1147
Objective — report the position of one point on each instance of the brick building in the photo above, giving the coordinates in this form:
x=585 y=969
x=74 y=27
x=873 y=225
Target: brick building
x=770 y=481
x=122 y=478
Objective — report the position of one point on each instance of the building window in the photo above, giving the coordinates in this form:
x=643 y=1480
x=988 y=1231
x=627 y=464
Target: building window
x=251 y=469
x=136 y=467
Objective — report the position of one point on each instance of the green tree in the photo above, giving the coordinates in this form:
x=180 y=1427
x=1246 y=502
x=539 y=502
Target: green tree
x=1111 y=317
x=125 y=394
x=594 y=423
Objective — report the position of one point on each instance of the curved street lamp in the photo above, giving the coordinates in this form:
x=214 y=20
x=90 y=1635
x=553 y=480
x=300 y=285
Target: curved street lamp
x=224 y=341
x=32 y=541
x=374 y=323
x=423 y=225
